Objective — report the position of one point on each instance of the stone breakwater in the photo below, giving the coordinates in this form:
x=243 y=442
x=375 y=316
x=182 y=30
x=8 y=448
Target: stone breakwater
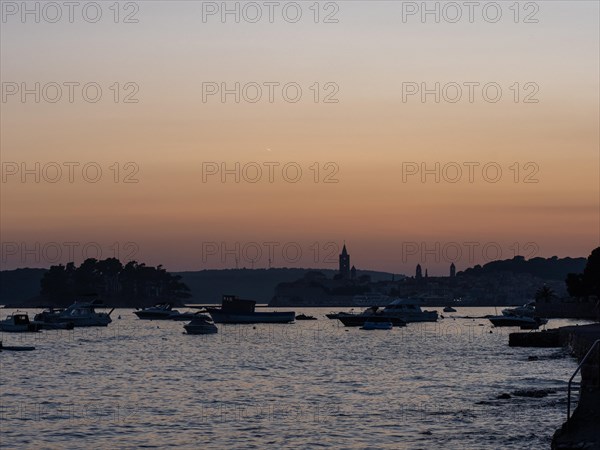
x=582 y=430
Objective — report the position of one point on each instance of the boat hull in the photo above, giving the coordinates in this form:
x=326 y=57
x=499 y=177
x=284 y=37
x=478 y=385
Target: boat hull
x=526 y=323
x=28 y=328
x=219 y=316
x=360 y=320
x=377 y=326
x=84 y=322
x=16 y=348
x=55 y=326
x=201 y=329
x=395 y=318
x=153 y=315
x=69 y=321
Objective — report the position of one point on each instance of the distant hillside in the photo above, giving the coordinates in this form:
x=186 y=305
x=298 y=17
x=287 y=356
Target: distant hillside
x=258 y=284
x=207 y=286
x=550 y=269
x=19 y=287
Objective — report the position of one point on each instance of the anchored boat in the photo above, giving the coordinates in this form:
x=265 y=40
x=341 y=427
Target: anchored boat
x=18 y=323
x=372 y=314
x=524 y=322
x=237 y=310
x=201 y=324
x=522 y=316
x=399 y=313
x=162 y=311
x=80 y=314
x=15 y=348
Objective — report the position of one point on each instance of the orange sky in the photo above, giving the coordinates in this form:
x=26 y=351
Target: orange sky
x=363 y=141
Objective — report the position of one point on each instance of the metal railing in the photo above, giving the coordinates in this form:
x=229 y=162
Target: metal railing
x=596 y=343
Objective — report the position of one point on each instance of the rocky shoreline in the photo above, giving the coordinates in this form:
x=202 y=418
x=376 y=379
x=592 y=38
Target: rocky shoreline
x=582 y=430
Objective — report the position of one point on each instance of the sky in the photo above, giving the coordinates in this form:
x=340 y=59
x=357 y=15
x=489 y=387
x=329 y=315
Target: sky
x=171 y=134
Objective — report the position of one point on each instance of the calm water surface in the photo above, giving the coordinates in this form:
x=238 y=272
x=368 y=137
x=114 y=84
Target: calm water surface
x=306 y=385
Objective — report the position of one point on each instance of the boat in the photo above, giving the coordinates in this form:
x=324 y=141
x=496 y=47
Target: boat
x=161 y=311
x=399 y=313
x=201 y=324
x=165 y=311
x=359 y=320
x=377 y=325
x=18 y=323
x=236 y=310
x=305 y=317
x=449 y=309
x=409 y=311
x=527 y=310
x=521 y=316
x=80 y=314
x=524 y=322
x=15 y=348
x=337 y=315
x=333 y=315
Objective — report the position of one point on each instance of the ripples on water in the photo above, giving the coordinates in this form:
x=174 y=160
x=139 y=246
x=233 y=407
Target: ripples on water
x=313 y=384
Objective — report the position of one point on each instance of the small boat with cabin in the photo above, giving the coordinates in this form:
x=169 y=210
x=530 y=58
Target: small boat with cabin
x=161 y=311
x=18 y=323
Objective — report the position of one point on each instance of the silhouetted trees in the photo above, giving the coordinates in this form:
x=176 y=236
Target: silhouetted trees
x=134 y=283
x=553 y=268
x=544 y=294
x=587 y=283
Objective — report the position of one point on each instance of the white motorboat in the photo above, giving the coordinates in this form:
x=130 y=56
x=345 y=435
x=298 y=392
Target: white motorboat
x=80 y=314
x=399 y=313
x=201 y=324
x=18 y=323
x=522 y=316
x=162 y=311
x=523 y=322
x=527 y=310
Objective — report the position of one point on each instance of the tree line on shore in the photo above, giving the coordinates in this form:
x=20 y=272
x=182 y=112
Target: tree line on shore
x=110 y=281
x=586 y=284
x=580 y=286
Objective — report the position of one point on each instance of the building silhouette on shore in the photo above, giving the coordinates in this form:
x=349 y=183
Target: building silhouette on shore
x=345 y=264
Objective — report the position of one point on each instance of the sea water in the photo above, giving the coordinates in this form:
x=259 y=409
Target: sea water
x=312 y=384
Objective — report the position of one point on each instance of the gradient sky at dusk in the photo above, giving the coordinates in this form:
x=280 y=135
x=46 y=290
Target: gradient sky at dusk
x=369 y=135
